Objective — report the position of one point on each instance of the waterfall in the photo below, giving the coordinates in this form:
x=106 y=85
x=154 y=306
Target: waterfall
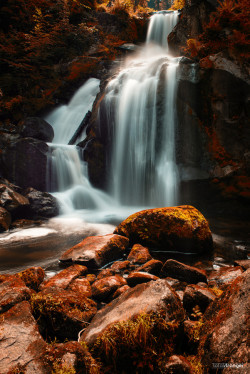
x=160 y=26
x=67 y=172
x=139 y=106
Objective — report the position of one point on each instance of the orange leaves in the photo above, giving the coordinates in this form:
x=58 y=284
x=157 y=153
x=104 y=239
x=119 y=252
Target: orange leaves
x=227 y=29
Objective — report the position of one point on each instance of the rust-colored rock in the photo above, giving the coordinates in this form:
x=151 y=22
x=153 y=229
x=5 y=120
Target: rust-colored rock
x=62 y=313
x=105 y=287
x=96 y=251
x=21 y=345
x=139 y=254
x=183 y=272
x=120 y=291
x=153 y=267
x=81 y=286
x=180 y=228
x=32 y=277
x=105 y=273
x=245 y=264
x=144 y=298
x=120 y=266
x=178 y=365
x=224 y=336
x=5 y=219
x=138 y=277
x=12 y=291
x=196 y=295
x=65 y=277
x=225 y=275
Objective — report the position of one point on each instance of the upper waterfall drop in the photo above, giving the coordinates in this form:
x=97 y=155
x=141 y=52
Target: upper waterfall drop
x=160 y=26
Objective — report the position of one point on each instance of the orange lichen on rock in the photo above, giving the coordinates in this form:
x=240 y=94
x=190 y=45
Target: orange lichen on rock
x=181 y=228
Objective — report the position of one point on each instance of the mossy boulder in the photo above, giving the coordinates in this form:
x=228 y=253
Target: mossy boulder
x=181 y=228
x=224 y=336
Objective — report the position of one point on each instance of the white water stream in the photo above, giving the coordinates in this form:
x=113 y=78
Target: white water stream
x=143 y=168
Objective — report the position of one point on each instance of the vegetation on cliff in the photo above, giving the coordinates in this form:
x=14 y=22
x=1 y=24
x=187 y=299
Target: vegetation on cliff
x=227 y=29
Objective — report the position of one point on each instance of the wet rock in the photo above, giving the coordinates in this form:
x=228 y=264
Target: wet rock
x=5 y=219
x=153 y=267
x=185 y=273
x=91 y=278
x=225 y=329
x=38 y=128
x=139 y=254
x=224 y=276
x=245 y=264
x=138 y=277
x=96 y=251
x=70 y=357
x=120 y=266
x=65 y=277
x=178 y=365
x=120 y=291
x=25 y=223
x=103 y=288
x=25 y=163
x=144 y=298
x=81 y=286
x=196 y=295
x=32 y=277
x=62 y=314
x=12 y=291
x=11 y=200
x=42 y=204
x=105 y=273
x=21 y=345
x=180 y=228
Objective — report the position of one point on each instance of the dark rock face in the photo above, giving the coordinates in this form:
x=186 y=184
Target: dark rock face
x=194 y=17
x=41 y=204
x=196 y=295
x=21 y=345
x=5 y=219
x=37 y=128
x=185 y=273
x=25 y=162
x=12 y=200
x=224 y=336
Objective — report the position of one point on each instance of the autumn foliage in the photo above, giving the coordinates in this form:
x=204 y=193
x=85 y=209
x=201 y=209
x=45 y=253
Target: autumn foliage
x=228 y=29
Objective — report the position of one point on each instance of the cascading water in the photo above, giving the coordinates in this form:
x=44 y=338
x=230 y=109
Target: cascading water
x=139 y=105
x=67 y=173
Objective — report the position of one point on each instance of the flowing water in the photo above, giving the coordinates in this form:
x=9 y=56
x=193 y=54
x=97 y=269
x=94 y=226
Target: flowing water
x=139 y=104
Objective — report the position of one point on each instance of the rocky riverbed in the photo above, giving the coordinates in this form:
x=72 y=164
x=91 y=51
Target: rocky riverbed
x=116 y=307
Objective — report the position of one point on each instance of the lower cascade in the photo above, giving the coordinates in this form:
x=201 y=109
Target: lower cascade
x=139 y=107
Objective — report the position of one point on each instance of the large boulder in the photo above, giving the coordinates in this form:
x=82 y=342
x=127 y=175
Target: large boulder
x=22 y=348
x=144 y=298
x=224 y=334
x=41 y=204
x=180 y=228
x=37 y=128
x=25 y=163
x=96 y=251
